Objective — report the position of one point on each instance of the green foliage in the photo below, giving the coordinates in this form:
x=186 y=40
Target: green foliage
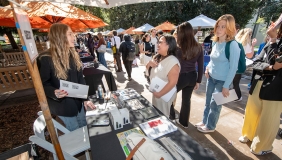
x=175 y=12
x=270 y=10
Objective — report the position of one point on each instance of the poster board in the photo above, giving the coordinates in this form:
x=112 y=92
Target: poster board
x=24 y=25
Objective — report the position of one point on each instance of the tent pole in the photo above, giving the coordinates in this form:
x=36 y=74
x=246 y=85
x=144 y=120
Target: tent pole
x=33 y=70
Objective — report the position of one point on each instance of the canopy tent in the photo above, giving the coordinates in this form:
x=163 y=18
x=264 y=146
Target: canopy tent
x=102 y=3
x=145 y=28
x=44 y=14
x=74 y=30
x=120 y=30
x=166 y=27
x=202 y=21
x=130 y=31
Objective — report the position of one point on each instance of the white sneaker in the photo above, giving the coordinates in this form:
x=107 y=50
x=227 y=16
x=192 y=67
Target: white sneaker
x=243 y=139
x=261 y=153
x=205 y=129
x=200 y=124
x=238 y=100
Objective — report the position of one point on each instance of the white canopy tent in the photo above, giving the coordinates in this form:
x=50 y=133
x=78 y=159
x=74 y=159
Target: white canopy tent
x=120 y=30
x=202 y=21
x=101 y=3
x=145 y=28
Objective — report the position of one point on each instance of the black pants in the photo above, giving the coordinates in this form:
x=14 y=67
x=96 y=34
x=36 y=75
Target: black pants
x=91 y=50
x=186 y=83
x=97 y=55
x=117 y=58
x=128 y=67
x=236 y=82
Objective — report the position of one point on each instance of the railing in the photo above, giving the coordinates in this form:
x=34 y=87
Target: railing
x=14 y=59
x=15 y=78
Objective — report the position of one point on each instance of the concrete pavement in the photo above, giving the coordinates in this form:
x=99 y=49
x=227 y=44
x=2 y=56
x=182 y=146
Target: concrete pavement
x=224 y=141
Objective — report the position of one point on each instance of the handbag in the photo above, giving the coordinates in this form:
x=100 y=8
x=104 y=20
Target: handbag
x=102 y=48
x=114 y=48
x=271 y=84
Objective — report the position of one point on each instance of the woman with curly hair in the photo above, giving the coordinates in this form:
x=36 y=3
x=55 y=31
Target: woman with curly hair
x=62 y=62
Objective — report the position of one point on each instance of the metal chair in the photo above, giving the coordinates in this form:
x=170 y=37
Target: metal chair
x=72 y=142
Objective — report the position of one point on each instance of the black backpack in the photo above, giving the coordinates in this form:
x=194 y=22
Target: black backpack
x=131 y=51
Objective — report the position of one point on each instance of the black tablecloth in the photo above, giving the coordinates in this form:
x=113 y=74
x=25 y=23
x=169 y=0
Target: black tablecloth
x=93 y=77
x=106 y=146
x=87 y=59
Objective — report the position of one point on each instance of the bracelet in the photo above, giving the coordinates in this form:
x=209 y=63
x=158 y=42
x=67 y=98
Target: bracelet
x=273 y=68
x=274 y=39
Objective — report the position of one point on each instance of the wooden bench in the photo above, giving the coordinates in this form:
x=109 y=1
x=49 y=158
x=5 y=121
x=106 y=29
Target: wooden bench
x=14 y=59
x=15 y=78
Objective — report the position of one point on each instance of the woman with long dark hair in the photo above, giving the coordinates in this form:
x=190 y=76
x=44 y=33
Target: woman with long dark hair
x=189 y=54
x=166 y=67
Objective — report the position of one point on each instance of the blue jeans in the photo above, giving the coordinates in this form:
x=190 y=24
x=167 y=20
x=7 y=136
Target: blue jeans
x=102 y=59
x=212 y=110
x=75 y=122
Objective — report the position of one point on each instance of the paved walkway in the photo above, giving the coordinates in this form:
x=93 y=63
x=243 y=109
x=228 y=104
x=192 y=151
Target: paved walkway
x=223 y=143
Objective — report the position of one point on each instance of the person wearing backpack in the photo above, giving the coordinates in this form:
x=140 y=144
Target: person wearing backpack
x=243 y=37
x=220 y=71
x=127 y=49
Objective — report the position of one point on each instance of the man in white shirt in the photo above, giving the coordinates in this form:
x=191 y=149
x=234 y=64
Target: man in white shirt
x=154 y=40
x=115 y=41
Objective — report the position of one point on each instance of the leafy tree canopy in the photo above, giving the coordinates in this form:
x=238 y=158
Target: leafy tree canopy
x=175 y=12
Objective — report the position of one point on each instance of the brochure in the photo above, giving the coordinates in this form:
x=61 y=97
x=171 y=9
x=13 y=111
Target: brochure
x=219 y=99
x=122 y=139
x=157 y=85
x=74 y=89
x=157 y=127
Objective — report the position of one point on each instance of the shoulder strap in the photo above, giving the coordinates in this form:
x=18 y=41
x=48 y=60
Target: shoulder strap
x=227 y=49
x=144 y=46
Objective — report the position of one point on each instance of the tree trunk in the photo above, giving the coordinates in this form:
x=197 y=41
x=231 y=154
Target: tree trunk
x=11 y=39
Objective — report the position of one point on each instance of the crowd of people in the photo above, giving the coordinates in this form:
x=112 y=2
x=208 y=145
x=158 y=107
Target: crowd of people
x=177 y=59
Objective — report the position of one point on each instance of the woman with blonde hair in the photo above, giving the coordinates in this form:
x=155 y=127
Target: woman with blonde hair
x=62 y=62
x=244 y=37
x=220 y=71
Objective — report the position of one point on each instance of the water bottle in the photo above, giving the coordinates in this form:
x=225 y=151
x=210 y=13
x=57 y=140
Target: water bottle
x=100 y=92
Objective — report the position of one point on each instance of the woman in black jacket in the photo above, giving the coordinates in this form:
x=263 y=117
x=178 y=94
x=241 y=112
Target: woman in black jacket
x=264 y=106
x=62 y=62
x=125 y=51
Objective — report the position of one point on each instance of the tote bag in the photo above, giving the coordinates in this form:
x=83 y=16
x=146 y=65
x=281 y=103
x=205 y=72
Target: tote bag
x=102 y=48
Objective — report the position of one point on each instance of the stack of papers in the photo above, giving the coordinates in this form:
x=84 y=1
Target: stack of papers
x=157 y=85
x=157 y=127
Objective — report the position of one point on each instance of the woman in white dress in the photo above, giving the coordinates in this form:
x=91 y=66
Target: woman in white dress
x=166 y=67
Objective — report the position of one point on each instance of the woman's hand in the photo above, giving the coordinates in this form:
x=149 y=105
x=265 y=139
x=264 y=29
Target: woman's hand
x=157 y=94
x=277 y=66
x=196 y=86
x=152 y=63
x=207 y=73
x=254 y=42
x=225 y=92
x=89 y=104
x=60 y=93
x=272 y=31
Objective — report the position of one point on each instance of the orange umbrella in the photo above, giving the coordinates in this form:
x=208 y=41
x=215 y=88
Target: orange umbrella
x=44 y=14
x=129 y=31
x=166 y=27
x=74 y=30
